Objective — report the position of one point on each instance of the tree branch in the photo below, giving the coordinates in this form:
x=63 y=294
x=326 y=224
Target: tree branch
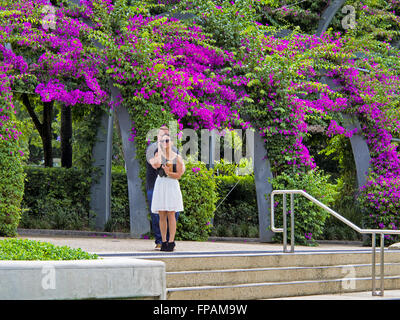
x=32 y=113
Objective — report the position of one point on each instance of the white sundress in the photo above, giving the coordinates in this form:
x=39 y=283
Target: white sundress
x=167 y=195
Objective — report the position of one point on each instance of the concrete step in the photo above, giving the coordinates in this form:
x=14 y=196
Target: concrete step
x=270 y=290
x=220 y=261
x=276 y=274
x=359 y=295
x=267 y=275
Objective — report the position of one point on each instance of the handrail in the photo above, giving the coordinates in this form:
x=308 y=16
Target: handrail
x=373 y=232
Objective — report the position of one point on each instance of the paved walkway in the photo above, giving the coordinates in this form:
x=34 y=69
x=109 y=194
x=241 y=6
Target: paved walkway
x=104 y=245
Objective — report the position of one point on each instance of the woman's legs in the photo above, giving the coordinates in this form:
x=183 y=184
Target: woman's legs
x=163 y=225
x=167 y=222
x=171 y=225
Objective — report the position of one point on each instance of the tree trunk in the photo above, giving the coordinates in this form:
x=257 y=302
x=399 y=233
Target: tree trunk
x=44 y=128
x=66 y=136
x=47 y=133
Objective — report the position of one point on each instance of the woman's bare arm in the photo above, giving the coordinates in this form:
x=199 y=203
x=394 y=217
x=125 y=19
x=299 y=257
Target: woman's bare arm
x=156 y=161
x=180 y=169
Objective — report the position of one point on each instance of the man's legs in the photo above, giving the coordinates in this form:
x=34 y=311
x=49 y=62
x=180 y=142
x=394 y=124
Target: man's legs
x=155 y=219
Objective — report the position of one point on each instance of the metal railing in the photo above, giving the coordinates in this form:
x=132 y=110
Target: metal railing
x=373 y=232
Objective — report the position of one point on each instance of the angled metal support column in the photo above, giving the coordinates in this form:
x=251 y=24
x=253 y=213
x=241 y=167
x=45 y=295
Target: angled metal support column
x=100 y=192
x=327 y=16
x=262 y=172
x=212 y=151
x=362 y=157
x=262 y=179
x=137 y=202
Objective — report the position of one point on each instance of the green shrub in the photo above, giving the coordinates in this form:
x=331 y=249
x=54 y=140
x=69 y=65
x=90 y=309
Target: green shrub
x=24 y=249
x=237 y=215
x=199 y=198
x=346 y=205
x=57 y=198
x=57 y=214
x=11 y=186
x=225 y=168
x=309 y=218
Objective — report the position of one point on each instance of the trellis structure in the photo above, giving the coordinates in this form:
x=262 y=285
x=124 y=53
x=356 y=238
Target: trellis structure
x=139 y=223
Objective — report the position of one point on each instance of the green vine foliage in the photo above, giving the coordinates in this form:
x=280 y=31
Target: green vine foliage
x=86 y=123
x=148 y=121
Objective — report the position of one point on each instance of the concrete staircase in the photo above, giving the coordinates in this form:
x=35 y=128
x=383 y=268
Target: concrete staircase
x=266 y=275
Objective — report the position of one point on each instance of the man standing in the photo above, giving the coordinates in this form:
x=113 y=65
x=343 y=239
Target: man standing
x=152 y=165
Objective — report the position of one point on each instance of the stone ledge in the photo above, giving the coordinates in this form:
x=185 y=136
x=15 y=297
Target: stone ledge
x=73 y=233
x=395 y=246
x=117 y=278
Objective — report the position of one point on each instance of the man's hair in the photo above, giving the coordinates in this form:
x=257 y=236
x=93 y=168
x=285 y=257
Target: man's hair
x=164 y=127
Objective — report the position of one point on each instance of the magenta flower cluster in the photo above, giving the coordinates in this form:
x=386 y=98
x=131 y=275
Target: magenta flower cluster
x=196 y=169
x=182 y=70
x=293 y=122
x=61 y=55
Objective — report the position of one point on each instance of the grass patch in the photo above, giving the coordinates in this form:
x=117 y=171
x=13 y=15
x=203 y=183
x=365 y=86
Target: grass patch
x=24 y=249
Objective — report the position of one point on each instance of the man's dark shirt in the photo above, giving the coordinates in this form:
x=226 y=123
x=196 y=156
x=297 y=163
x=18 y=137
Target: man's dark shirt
x=151 y=173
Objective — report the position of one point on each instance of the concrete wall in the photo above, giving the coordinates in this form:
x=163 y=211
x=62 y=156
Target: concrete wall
x=82 y=279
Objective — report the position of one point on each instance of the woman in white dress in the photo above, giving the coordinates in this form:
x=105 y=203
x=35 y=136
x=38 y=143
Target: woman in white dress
x=167 y=196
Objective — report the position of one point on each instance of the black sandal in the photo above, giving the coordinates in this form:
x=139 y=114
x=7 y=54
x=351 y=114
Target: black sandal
x=170 y=246
x=164 y=246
